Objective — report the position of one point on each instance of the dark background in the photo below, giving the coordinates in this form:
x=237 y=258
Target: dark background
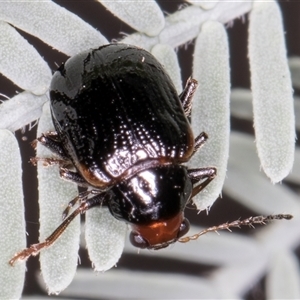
x=223 y=210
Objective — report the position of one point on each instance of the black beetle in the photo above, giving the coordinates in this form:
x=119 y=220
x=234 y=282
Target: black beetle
x=122 y=131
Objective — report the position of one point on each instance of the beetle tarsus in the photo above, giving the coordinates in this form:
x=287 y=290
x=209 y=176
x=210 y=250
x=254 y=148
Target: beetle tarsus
x=200 y=141
x=186 y=97
x=33 y=250
x=51 y=141
x=197 y=175
x=72 y=176
x=47 y=161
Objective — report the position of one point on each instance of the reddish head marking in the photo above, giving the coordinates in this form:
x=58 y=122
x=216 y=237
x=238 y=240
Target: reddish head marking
x=160 y=232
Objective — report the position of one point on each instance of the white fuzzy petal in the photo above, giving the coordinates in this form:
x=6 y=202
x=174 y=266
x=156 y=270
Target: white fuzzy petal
x=53 y=24
x=21 y=63
x=211 y=107
x=12 y=224
x=105 y=238
x=183 y=25
x=59 y=262
x=250 y=187
x=143 y=16
x=274 y=118
x=21 y=110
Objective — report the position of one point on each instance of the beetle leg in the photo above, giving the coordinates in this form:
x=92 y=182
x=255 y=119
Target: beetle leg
x=82 y=197
x=35 y=249
x=51 y=141
x=197 y=175
x=72 y=176
x=187 y=94
x=69 y=206
x=199 y=141
x=52 y=134
x=48 y=161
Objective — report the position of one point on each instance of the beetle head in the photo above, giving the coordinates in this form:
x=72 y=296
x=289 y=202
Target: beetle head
x=159 y=234
x=152 y=202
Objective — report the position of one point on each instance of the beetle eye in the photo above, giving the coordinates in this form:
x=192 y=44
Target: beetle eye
x=138 y=241
x=184 y=228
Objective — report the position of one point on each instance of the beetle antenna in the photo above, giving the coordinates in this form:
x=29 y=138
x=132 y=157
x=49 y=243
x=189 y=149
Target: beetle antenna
x=237 y=223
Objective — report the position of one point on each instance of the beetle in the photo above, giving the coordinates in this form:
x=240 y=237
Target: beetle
x=123 y=132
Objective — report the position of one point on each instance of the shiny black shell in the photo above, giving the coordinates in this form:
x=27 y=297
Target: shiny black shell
x=154 y=194
x=117 y=112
